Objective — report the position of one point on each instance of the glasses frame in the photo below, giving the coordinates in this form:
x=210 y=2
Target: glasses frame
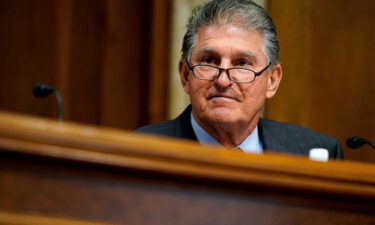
x=256 y=74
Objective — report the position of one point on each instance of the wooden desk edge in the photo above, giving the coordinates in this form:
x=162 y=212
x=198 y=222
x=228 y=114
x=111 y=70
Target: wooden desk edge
x=42 y=137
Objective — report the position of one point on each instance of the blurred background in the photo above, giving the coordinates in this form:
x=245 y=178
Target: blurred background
x=115 y=62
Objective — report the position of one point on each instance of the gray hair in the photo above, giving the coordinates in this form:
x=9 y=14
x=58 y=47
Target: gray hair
x=243 y=12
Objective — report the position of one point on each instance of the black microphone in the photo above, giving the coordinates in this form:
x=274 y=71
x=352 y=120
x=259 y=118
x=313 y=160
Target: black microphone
x=355 y=142
x=42 y=90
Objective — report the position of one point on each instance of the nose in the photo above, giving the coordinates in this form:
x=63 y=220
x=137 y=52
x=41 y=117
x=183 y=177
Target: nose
x=223 y=80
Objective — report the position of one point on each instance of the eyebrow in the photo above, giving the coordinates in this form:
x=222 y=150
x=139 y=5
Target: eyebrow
x=248 y=54
x=206 y=50
x=239 y=53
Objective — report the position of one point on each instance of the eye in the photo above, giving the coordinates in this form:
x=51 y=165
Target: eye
x=208 y=60
x=243 y=63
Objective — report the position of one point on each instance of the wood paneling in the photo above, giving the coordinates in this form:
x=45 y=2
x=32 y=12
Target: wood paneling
x=86 y=173
x=27 y=54
x=86 y=56
x=108 y=58
x=328 y=83
x=160 y=61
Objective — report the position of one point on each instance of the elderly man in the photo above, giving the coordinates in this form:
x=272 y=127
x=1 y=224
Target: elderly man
x=229 y=66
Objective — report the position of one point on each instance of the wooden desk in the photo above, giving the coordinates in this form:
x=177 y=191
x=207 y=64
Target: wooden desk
x=78 y=174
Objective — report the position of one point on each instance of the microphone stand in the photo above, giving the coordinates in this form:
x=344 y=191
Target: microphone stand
x=42 y=90
x=58 y=104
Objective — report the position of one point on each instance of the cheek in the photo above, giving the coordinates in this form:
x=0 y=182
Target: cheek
x=255 y=94
x=197 y=88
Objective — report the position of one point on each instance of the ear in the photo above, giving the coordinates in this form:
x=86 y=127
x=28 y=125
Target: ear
x=274 y=78
x=184 y=75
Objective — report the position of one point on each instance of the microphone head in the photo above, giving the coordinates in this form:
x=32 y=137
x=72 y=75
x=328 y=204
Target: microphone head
x=42 y=90
x=355 y=142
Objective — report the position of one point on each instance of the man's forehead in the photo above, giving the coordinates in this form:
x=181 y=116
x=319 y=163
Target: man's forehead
x=232 y=39
x=208 y=50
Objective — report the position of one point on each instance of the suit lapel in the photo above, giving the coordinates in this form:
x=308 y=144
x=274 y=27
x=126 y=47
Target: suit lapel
x=183 y=124
x=274 y=137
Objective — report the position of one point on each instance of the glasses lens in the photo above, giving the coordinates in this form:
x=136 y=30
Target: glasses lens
x=242 y=75
x=206 y=72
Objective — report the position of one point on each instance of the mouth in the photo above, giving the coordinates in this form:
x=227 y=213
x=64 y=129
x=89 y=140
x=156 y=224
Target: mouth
x=222 y=96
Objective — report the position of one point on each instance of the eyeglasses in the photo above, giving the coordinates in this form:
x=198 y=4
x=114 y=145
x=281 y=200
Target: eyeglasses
x=237 y=75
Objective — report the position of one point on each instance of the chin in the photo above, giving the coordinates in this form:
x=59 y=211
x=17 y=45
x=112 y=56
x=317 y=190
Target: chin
x=223 y=115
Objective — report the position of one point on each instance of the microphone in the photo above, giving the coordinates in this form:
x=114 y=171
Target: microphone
x=355 y=142
x=42 y=90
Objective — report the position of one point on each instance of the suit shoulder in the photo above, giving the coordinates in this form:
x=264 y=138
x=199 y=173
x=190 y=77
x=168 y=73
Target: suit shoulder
x=300 y=138
x=177 y=128
x=292 y=129
x=164 y=128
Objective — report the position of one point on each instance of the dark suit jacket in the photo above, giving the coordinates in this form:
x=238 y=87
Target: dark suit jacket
x=275 y=136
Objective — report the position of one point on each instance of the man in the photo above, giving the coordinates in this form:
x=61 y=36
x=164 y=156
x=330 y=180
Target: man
x=229 y=66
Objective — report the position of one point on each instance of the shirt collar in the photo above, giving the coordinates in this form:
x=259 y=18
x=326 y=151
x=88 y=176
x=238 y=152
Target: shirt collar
x=251 y=144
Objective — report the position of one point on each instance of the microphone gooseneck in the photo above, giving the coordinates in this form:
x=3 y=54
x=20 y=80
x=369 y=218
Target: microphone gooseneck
x=42 y=90
x=355 y=142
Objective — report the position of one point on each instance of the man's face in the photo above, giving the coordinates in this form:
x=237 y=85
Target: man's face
x=221 y=100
